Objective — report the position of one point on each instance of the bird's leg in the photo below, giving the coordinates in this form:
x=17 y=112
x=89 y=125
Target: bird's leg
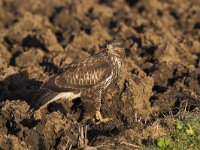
x=98 y=115
x=92 y=103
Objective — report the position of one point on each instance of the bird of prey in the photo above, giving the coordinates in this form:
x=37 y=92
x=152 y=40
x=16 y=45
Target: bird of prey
x=87 y=78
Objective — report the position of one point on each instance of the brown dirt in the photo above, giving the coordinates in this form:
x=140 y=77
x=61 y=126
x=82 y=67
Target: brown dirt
x=161 y=73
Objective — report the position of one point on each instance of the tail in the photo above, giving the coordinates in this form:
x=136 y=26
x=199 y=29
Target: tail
x=44 y=97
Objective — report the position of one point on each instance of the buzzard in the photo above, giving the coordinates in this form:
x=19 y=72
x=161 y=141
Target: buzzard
x=87 y=79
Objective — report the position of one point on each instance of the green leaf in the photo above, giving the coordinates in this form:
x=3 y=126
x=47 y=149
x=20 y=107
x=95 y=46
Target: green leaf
x=163 y=142
x=174 y=148
x=179 y=124
x=189 y=131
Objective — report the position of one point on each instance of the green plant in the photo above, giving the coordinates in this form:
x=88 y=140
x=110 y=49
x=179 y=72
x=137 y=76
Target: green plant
x=180 y=134
x=189 y=130
x=163 y=142
x=179 y=124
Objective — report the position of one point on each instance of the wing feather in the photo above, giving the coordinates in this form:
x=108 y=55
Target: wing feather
x=84 y=74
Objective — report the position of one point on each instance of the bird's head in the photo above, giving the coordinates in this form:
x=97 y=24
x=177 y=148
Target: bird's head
x=116 y=48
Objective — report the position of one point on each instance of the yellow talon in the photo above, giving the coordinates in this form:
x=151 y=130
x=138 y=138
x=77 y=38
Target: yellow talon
x=101 y=119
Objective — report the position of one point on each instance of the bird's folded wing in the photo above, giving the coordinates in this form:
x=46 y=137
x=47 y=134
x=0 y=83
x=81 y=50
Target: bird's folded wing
x=84 y=74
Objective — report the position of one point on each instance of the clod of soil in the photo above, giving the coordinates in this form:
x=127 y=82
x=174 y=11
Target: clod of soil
x=159 y=76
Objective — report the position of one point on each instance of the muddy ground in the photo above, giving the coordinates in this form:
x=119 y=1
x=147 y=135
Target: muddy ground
x=160 y=76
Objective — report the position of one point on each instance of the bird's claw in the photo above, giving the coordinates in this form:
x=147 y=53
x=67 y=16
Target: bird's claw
x=104 y=120
x=100 y=119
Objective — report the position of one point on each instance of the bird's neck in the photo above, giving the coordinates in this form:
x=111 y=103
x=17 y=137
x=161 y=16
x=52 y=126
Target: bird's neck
x=116 y=61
